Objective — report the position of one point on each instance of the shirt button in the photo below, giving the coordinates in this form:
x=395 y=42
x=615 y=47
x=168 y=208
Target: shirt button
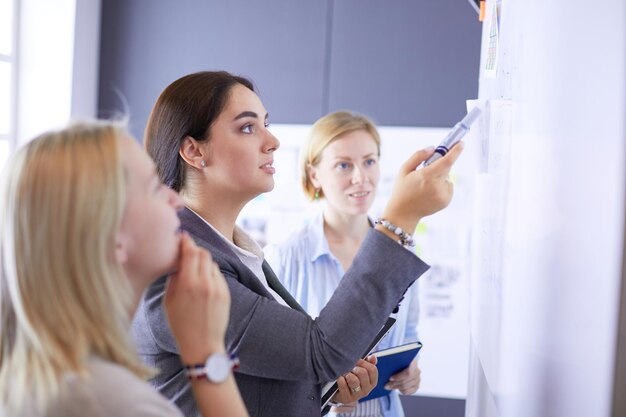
x=311 y=397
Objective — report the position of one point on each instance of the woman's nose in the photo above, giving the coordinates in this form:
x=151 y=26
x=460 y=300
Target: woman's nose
x=271 y=143
x=358 y=177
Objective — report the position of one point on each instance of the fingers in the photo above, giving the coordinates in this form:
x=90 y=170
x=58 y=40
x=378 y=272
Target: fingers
x=344 y=394
x=415 y=160
x=406 y=381
x=407 y=387
x=420 y=156
x=353 y=382
x=455 y=152
x=363 y=378
x=187 y=262
x=357 y=383
x=443 y=165
x=197 y=303
x=367 y=371
x=418 y=193
x=195 y=265
x=189 y=256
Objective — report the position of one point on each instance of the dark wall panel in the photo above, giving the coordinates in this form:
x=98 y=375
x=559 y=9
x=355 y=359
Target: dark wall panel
x=417 y=406
x=405 y=62
x=279 y=44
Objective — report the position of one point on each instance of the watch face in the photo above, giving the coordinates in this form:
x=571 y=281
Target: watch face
x=218 y=366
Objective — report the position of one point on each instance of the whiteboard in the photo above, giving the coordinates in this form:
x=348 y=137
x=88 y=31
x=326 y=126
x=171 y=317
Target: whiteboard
x=548 y=348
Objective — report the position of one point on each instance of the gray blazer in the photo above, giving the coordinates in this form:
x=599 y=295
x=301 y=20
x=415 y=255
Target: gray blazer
x=285 y=355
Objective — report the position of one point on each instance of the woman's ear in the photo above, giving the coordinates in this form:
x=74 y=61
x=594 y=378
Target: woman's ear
x=121 y=248
x=312 y=174
x=192 y=153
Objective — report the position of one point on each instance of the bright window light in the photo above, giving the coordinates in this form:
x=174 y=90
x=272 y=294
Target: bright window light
x=4 y=153
x=5 y=97
x=6 y=27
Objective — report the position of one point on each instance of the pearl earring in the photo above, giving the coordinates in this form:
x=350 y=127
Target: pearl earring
x=202 y=163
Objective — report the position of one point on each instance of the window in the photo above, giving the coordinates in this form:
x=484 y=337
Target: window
x=8 y=30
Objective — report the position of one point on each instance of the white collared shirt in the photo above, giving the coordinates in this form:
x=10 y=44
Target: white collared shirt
x=249 y=253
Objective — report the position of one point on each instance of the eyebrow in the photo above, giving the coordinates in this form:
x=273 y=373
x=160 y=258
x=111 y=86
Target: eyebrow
x=246 y=114
x=249 y=114
x=369 y=155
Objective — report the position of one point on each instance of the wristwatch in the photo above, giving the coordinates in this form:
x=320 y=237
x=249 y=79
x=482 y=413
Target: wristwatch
x=216 y=368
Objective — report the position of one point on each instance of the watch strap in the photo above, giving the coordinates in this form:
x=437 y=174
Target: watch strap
x=199 y=370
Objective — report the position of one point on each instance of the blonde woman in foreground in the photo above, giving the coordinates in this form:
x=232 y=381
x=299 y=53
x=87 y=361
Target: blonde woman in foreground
x=85 y=227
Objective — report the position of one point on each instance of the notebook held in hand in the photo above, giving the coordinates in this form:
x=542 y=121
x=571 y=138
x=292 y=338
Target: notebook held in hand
x=390 y=362
x=331 y=388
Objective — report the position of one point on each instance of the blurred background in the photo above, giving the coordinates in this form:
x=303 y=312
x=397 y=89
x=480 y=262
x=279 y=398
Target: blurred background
x=410 y=65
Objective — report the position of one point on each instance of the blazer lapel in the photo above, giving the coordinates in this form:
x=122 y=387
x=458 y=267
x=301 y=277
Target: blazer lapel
x=198 y=228
x=275 y=284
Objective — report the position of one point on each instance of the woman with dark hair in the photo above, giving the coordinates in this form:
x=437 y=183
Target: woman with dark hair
x=208 y=134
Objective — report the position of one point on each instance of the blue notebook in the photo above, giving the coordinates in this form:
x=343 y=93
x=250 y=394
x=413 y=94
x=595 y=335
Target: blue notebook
x=331 y=388
x=390 y=362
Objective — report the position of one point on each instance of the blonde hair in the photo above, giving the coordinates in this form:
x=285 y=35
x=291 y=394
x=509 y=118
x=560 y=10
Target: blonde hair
x=63 y=297
x=326 y=130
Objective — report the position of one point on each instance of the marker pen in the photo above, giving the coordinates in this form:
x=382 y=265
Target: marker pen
x=458 y=131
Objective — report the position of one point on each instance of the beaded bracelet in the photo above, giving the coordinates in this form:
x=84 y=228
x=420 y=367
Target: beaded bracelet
x=406 y=239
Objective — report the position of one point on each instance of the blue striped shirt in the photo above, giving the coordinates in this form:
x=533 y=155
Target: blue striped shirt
x=311 y=273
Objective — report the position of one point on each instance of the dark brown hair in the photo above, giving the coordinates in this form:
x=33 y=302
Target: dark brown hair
x=187 y=107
